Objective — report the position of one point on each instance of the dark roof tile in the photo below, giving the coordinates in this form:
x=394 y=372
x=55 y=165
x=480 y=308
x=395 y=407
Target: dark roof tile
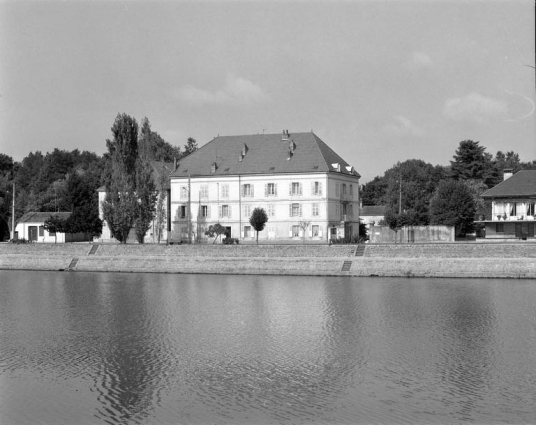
x=521 y=184
x=266 y=154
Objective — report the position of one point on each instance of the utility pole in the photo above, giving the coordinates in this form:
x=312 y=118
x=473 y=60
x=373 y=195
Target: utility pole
x=400 y=196
x=13 y=216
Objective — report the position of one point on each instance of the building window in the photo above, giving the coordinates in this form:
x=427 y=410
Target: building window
x=316 y=188
x=247 y=211
x=224 y=190
x=499 y=227
x=337 y=190
x=316 y=230
x=182 y=211
x=225 y=211
x=513 y=209
x=316 y=210
x=270 y=189
x=271 y=210
x=247 y=190
x=295 y=231
x=351 y=191
x=184 y=192
x=530 y=208
x=295 y=188
x=205 y=211
x=203 y=192
x=41 y=231
x=344 y=189
x=248 y=233
x=295 y=210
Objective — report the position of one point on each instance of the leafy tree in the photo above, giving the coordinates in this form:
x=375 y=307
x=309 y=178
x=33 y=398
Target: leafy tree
x=120 y=206
x=258 y=220
x=147 y=195
x=304 y=225
x=363 y=231
x=190 y=146
x=55 y=224
x=374 y=192
x=471 y=161
x=161 y=210
x=153 y=147
x=215 y=231
x=413 y=182
x=453 y=205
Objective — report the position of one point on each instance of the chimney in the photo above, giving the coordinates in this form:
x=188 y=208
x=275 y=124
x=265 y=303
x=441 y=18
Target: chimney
x=213 y=167
x=508 y=172
x=244 y=149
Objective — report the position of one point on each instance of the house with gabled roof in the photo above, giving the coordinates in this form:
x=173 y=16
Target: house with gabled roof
x=160 y=173
x=296 y=178
x=31 y=226
x=513 y=208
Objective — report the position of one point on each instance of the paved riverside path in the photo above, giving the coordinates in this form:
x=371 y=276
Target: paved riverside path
x=415 y=260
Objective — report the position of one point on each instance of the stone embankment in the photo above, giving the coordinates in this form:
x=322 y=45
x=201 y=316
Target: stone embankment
x=515 y=260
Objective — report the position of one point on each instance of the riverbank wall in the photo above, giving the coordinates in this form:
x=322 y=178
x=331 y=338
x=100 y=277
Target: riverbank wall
x=412 y=260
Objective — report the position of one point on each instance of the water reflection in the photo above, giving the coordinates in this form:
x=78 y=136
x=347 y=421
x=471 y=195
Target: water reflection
x=133 y=348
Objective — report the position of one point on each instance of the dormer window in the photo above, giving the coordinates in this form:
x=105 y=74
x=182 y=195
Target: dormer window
x=336 y=166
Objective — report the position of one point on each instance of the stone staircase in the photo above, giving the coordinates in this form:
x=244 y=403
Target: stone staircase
x=360 y=250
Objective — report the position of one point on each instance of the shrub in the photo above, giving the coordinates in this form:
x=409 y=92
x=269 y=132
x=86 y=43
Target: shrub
x=230 y=241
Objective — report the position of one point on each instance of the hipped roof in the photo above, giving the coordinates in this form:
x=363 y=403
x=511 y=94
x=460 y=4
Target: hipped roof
x=265 y=154
x=521 y=184
x=41 y=217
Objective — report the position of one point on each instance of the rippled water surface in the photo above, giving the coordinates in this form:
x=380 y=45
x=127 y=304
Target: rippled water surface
x=91 y=348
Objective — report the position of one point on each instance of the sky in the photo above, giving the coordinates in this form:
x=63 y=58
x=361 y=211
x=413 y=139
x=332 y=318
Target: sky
x=378 y=81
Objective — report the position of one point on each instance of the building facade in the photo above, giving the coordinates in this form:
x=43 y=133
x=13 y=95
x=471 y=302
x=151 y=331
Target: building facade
x=31 y=226
x=513 y=207
x=308 y=191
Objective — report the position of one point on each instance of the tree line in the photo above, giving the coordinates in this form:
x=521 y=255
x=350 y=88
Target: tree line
x=64 y=180
x=418 y=193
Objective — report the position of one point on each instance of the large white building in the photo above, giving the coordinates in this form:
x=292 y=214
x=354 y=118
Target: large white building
x=294 y=177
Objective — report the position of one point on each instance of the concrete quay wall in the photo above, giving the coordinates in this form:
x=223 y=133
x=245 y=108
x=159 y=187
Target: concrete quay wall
x=402 y=260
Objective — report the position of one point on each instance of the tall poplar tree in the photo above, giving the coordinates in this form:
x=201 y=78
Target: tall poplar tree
x=120 y=207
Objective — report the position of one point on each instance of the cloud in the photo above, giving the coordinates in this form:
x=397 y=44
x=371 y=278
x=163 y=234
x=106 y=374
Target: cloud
x=403 y=126
x=237 y=91
x=474 y=108
x=419 y=60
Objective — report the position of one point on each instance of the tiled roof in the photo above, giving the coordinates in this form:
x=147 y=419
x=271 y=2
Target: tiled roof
x=266 y=154
x=40 y=217
x=372 y=210
x=521 y=184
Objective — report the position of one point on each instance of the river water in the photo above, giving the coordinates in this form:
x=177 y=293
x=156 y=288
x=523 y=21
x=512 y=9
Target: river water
x=113 y=348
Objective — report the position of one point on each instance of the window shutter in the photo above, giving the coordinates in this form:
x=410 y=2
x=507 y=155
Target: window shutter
x=337 y=190
x=290 y=232
x=220 y=210
x=313 y=188
x=311 y=232
x=337 y=211
x=300 y=210
x=242 y=233
x=265 y=189
x=252 y=190
x=300 y=186
x=290 y=210
x=230 y=211
x=290 y=189
x=208 y=211
x=320 y=188
x=243 y=190
x=275 y=189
